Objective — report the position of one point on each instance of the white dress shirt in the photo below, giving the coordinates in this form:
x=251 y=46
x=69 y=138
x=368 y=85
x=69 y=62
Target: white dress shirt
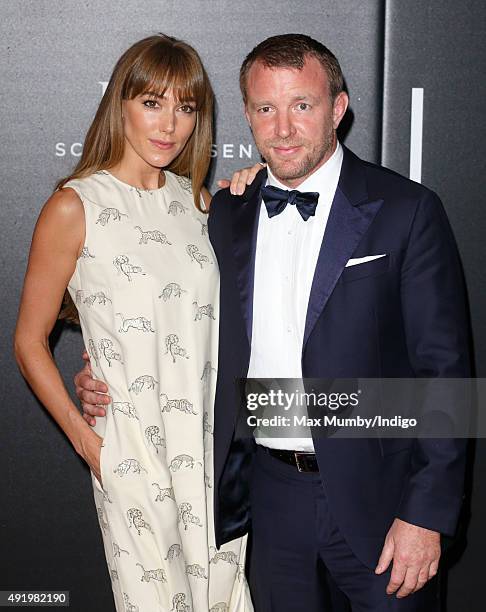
x=287 y=249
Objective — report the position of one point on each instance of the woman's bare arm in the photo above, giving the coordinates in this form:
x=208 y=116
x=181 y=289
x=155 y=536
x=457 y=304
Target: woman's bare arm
x=56 y=244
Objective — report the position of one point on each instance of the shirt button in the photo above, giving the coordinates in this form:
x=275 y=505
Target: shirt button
x=289 y=232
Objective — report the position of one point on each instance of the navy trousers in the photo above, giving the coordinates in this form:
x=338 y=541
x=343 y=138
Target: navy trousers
x=295 y=539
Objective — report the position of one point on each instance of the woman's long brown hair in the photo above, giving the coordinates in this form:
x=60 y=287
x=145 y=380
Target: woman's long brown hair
x=154 y=64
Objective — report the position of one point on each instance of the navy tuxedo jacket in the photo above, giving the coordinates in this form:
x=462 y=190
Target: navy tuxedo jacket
x=400 y=316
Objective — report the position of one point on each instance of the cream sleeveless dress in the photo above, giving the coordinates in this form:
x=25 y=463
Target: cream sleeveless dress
x=146 y=287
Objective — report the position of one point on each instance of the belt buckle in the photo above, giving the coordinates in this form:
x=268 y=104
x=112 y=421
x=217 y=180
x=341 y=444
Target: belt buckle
x=301 y=461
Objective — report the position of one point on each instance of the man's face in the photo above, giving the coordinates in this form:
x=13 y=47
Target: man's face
x=292 y=118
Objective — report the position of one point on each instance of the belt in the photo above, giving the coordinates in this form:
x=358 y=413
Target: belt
x=304 y=462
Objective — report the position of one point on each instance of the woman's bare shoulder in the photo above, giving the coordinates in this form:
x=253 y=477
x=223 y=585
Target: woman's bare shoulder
x=61 y=223
x=64 y=206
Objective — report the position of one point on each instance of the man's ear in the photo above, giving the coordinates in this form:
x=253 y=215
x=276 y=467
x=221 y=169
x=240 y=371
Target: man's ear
x=247 y=115
x=339 y=108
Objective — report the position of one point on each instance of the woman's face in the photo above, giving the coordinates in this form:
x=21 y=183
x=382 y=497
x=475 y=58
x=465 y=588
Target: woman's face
x=156 y=128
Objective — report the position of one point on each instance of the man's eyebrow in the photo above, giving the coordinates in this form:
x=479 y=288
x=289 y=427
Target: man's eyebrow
x=262 y=103
x=305 y=97
x=295 y=98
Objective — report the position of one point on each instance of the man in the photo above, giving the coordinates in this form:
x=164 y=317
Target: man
x=366 y=283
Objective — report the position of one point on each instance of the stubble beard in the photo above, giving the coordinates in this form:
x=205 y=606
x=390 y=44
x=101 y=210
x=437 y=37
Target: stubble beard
x=291 y=171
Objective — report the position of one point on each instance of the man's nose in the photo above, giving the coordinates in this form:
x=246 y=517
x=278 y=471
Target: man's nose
x=284 y=127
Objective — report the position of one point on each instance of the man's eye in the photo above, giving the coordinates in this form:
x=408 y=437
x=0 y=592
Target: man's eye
x=264 y=109
x=303 y=106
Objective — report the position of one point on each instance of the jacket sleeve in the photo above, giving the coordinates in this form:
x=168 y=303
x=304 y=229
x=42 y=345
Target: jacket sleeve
x=436 y=326
x=216 y=220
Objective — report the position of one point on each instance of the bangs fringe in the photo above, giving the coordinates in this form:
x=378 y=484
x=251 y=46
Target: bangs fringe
x=163 y=69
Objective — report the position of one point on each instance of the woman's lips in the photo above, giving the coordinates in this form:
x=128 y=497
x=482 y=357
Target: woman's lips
x=162 y=144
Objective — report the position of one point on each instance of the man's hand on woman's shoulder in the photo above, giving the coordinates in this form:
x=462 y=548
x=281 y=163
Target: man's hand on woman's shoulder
x=241 y=179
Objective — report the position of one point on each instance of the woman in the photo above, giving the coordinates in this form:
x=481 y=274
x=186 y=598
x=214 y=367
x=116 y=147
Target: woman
x=129 y=242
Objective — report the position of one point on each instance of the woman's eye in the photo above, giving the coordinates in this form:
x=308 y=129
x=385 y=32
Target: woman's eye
x=150 y=103
x=186 y=108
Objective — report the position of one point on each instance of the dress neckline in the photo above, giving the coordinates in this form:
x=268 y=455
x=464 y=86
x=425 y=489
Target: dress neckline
x=139 y=190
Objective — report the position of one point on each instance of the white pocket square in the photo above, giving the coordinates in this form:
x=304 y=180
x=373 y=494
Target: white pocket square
x=360 y=260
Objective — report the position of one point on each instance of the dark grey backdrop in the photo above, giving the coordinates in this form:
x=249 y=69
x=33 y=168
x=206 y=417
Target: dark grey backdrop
x=440 y=45
x=56 y=56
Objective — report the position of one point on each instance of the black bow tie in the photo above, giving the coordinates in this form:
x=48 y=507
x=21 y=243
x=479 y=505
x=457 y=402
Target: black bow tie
x=276 y=200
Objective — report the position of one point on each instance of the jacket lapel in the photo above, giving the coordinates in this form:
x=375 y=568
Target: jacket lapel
x=245 y=228
x=350 y=216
